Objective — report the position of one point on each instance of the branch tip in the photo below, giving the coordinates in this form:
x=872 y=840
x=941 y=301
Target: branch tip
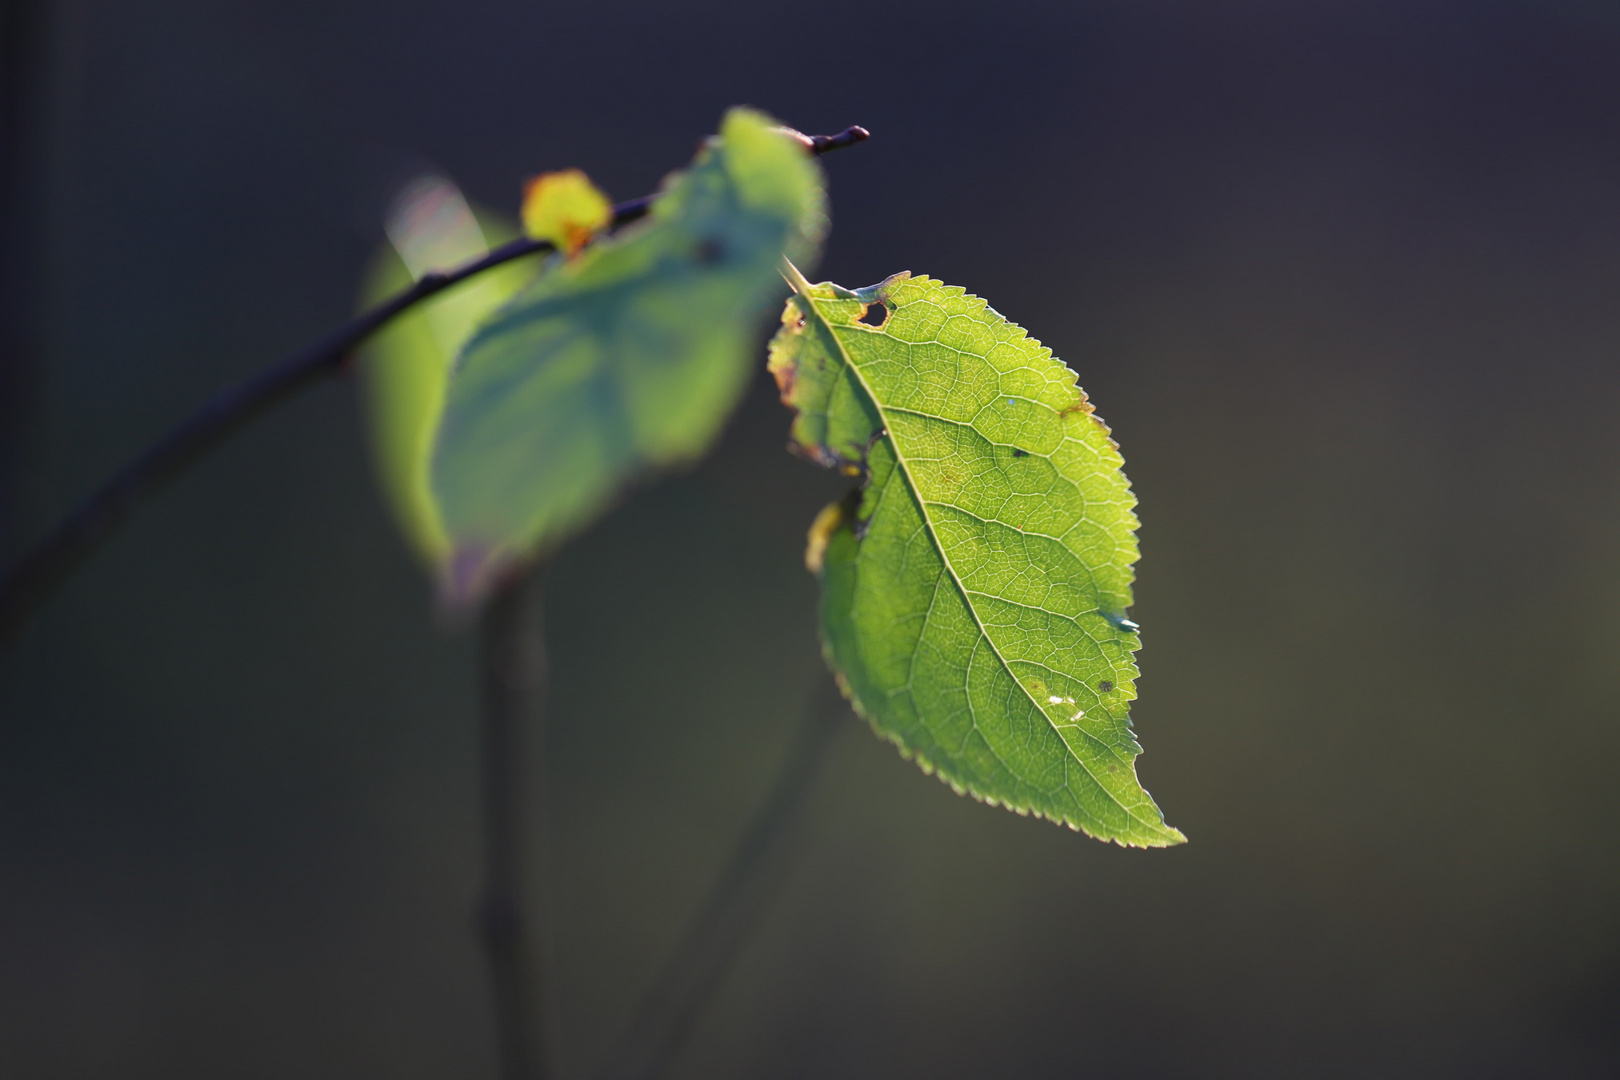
x=821 y=144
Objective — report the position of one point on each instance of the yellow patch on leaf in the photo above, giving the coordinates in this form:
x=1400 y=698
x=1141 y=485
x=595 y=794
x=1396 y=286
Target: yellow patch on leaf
x=821 y=530
x=565 y=208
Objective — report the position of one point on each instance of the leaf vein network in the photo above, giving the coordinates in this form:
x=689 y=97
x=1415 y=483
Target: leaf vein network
x=903 y=466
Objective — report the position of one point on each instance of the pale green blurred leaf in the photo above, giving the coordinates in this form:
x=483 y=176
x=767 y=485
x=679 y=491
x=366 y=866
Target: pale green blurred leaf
x=622 y=359
x=405 y=366
x=974 y=591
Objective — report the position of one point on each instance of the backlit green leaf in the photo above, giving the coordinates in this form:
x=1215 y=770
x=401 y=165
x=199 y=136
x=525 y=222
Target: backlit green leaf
x=405 y=366
x=624 y=358
x=974 y=591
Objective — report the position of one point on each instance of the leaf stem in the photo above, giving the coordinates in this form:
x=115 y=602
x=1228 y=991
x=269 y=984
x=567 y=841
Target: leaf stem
x=735 y=905
x=512 y=661
x=54 y=559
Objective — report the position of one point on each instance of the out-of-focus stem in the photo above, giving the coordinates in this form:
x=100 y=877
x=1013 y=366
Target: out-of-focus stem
x=735 y=905
x=512 y=659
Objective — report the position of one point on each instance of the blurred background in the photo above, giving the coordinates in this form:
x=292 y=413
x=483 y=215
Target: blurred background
x=1343 y=277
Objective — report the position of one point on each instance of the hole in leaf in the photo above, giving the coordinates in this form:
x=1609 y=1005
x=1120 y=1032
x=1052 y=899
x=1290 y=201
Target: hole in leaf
x=874 y=315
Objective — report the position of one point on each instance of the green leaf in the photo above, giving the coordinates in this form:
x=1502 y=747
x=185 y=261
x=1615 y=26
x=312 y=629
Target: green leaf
x=405 y=366
x=625 y=358
x=974 y=591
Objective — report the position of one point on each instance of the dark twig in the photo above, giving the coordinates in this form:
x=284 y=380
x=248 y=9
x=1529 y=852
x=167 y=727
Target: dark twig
x=53 y=560
x=734 y=906
x=512 y=655
x=823 y=144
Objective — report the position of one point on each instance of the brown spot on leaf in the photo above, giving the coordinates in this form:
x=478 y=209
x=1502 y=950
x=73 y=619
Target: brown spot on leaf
x=785 y=376
x=1081 y=404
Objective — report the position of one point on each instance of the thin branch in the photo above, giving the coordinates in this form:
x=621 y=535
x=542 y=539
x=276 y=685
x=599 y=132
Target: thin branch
x=735 y=905
x=512 y=657
x=53 y=560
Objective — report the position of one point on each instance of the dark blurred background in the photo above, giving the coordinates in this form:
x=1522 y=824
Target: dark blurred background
x=1344 y=278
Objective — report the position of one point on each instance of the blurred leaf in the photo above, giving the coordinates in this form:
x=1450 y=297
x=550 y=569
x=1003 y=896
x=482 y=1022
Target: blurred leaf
x=565 y=208
x=974 y=590
x=625 y=358
x=405 y=366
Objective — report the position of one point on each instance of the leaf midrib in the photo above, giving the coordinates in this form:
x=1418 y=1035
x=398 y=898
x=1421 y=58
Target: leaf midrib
x=928 y=523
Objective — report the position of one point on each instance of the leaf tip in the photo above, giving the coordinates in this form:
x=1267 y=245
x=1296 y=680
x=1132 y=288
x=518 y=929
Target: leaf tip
x=799 y=137
x=472 y=572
